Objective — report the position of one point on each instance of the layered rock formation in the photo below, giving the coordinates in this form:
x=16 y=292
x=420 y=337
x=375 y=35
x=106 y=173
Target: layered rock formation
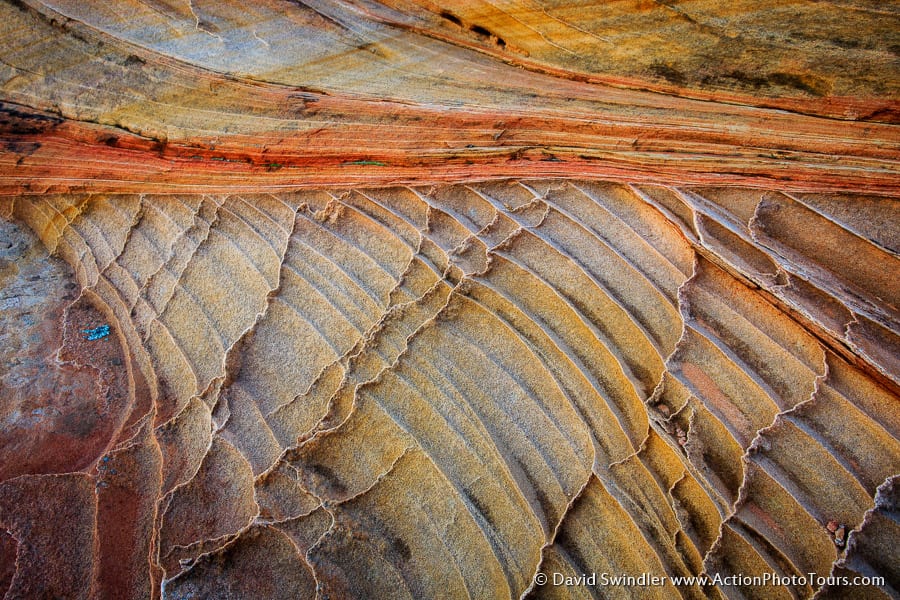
x=414 y=302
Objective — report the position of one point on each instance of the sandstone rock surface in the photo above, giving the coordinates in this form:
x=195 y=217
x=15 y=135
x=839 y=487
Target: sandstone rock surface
x=415 y=302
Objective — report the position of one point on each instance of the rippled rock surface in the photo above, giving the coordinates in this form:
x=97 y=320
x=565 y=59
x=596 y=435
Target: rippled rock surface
x=405 y=302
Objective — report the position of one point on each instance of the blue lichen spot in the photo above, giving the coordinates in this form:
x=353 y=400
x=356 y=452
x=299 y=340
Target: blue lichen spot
x=96 y=333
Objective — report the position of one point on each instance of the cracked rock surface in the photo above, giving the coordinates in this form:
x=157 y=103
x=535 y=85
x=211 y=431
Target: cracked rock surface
x=440 y=391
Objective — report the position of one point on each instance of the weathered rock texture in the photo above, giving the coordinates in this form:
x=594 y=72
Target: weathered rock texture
x=414 y=302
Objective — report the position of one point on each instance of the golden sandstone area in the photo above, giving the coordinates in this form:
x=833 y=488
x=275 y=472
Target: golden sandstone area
x=480 y=299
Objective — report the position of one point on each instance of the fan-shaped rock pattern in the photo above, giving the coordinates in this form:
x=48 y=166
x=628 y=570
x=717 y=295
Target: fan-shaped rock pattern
x=387 y=299
x=442 y=391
